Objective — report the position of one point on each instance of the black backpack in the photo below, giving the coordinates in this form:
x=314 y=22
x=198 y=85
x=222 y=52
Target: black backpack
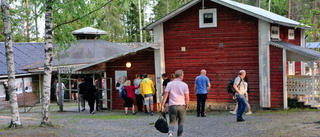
x=162 y=124
x=230 y=86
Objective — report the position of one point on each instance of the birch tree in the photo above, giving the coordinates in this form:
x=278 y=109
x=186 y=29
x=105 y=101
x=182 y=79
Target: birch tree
x=15 y=118
x=79 y=12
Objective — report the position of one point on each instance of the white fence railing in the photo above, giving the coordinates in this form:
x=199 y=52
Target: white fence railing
x=301 y=85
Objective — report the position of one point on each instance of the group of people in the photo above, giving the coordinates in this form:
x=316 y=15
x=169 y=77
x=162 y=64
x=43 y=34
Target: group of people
x=88 y=91
x=179 y=97
x=142 y=91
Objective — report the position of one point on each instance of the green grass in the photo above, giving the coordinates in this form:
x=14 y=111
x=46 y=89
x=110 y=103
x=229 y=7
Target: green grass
x=106 y=117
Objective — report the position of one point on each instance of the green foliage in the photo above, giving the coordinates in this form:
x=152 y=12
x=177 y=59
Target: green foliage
x=160 y=9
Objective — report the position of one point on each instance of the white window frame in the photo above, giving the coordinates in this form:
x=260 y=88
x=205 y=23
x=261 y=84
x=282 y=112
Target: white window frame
x=291 y=31
x=275 y=36
x=291 y=68
x=208 y=25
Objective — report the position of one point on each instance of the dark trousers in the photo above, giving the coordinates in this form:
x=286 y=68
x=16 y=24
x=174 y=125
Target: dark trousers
x=97 y=103
x=91 y=105
x=177 y=113
x=139 y=100
x=201 y=103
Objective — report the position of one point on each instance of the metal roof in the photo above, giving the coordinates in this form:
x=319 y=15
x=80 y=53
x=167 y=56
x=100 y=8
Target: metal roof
x=86 y=51
x=296 y=49
x=244 y=8
x=89 y=30
x=313 y=45
x=146 y=46
x=23 y=54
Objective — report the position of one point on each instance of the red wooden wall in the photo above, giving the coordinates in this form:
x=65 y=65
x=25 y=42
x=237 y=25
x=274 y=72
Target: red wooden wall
x=239 y=34
x=276 y=72
x=142 y=62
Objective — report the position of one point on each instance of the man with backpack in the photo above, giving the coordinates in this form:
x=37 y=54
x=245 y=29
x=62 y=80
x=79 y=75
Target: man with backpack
x=240 y=89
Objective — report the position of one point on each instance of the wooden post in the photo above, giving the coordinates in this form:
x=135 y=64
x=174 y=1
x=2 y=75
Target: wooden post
x=40 y=95
x=313 y=82
x=284 y=71
x=105 y=90
x=70 y=95
x=24 y=95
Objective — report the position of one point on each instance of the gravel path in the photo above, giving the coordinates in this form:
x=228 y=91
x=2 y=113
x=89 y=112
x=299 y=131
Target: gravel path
x=218 y=123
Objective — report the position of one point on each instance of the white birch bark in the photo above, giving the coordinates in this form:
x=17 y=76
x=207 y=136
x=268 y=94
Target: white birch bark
x=47 y=65
x=15 y=118
x=140 y=26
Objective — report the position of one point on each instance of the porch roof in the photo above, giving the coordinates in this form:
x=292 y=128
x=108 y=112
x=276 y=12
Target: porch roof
x=301 y=53
x=146 y=46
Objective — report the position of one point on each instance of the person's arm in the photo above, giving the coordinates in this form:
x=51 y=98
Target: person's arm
x=209 y=86
x=187 y=100
x=235 y=86
x=165 y=96
x=195 y=89
x=164 y=88
x=142 y=90
x=152 y=88
x=137 y=87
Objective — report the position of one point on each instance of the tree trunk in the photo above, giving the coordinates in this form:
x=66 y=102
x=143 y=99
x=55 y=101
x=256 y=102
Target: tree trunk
x=289 y=10
x=36 y=20
x=47 y=65
x=269 y=5
x=243 y=1
x=140 y=26
x=314 y=35
x=168 y=6
x=28 y=24
x=257 y=3
x=144 y=21
x=15 y=118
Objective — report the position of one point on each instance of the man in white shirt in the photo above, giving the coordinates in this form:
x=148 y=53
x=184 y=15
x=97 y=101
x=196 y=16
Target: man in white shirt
x=240 y=88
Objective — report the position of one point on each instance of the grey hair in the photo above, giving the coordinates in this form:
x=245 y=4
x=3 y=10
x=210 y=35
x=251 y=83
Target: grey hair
x=178 y=73
x=203 y=71
x=241 y=72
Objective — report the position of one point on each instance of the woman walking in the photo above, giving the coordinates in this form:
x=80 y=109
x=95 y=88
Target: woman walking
x=129 y=101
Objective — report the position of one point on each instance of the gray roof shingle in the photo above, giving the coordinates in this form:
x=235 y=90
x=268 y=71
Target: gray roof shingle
x=23 y=54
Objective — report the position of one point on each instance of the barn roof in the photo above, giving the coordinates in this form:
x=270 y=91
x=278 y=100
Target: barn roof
x=311 y=54
x=313 y=45
x=142 y=46
x=244 y=8
x=86 y=51
x=23 y=54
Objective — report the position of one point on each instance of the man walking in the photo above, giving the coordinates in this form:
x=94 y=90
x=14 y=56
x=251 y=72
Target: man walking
x=139 y=98
x=201 y=88
x=178 y=102
x=147 y=91
x=82 y=91
x=166 y=80
x=240 y=88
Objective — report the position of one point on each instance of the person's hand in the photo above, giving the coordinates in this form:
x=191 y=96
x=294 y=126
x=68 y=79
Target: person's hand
x=162 y=109
x=186 y=107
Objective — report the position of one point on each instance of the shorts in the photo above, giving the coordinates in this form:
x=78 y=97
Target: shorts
x=148 y=100
x=128 y=102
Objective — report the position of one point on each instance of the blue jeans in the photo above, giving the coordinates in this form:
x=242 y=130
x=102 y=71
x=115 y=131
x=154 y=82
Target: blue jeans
x=242 y=104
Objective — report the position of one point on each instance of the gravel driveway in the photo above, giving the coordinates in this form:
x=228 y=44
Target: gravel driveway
x=218 y=123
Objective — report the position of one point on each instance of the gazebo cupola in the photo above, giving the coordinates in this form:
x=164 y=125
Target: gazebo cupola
x=88 y=33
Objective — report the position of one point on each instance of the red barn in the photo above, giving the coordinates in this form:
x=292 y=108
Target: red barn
x=223 y=37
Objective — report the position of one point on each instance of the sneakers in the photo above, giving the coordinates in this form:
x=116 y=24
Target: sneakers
x=83 y=109
x=148 y=114
x=92 y=112
x=151 y=113
x=233 y=112
x=249 y=113
x=134 y=113
x=170 y=135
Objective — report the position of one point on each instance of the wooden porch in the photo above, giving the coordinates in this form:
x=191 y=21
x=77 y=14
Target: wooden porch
x=302 y=88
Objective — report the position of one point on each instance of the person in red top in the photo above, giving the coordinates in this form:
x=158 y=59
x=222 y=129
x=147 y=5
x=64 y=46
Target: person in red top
x=129 y=101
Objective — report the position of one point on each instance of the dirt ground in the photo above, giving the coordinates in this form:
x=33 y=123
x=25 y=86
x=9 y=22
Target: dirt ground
x=293 y=122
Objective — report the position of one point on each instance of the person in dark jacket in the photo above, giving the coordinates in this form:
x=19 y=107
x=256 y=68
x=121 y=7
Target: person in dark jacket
x=90 y=95
x=6 y=88
x=82 y=90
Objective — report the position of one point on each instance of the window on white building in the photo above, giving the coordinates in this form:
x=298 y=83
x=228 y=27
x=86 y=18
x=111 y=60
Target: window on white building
x=207 y=18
